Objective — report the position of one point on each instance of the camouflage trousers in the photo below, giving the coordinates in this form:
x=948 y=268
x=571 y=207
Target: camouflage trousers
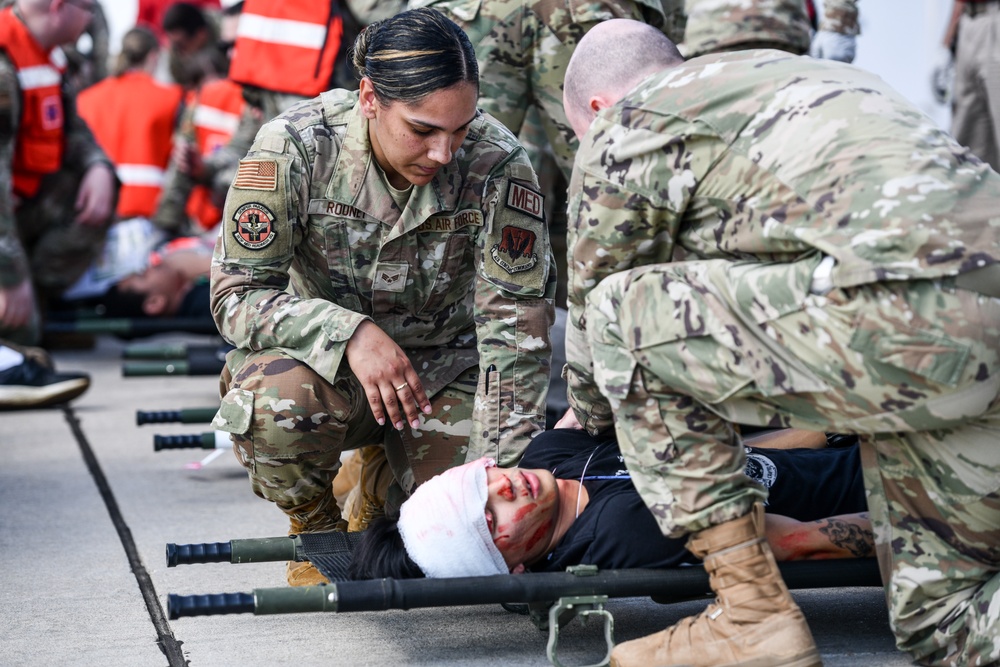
x=523 y=54
x=289 y=427
x=684 y=351
x=59 y=250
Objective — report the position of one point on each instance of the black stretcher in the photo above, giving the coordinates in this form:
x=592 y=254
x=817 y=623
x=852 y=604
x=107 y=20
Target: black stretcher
x=552 y=598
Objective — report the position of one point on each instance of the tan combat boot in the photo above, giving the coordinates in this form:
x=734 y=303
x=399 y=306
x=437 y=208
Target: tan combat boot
x=316 y=516
x=373 y=487
x=753 y=622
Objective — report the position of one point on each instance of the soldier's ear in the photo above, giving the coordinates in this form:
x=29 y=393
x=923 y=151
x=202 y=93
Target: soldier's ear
x=598 y=102
x=154 y=305
x=367 y=98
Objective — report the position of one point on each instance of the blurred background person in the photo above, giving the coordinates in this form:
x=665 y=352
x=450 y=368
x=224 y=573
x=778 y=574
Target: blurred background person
x=210 y=120
x=192 y=40
x=58 y=191
x=133 y=117
x=794 y=26
x=973 y=35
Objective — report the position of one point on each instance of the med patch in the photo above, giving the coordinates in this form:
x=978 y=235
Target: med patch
x=254 y=226
x=525 y=200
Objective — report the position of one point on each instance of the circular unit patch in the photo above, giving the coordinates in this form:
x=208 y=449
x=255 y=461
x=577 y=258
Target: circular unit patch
x=761 y=469
x=254 y=226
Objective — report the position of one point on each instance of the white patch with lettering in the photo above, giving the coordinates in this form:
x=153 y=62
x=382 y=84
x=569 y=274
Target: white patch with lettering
x=526 y=201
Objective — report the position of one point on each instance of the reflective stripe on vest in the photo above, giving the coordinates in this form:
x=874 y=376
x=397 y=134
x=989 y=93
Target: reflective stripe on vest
x=287 y=46
x=215 y=120
x=39 y=147
x=133 y=118
x=140 y=174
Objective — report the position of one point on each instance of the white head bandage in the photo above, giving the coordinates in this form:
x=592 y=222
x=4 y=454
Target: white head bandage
x=443 y=524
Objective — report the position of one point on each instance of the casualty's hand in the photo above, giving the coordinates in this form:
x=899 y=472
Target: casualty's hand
x=387 y=376
x=569 y=420
x=833 y=46
x=96 y=196
x=17 y=305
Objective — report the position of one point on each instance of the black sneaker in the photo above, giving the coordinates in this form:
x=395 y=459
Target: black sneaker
x=31 y=385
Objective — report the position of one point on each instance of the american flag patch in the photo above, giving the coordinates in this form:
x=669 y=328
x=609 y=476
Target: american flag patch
x=257 y=175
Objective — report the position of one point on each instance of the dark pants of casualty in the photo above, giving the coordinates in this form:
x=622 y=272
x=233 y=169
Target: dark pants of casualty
x=59 y=250
x=292 y=426
x=684 y=350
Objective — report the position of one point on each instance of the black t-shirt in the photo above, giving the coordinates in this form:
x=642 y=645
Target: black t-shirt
x=196 y=303
x=617 y=531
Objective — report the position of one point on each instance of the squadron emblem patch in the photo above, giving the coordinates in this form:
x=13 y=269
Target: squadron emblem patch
x=254 y=226
x=516 y=250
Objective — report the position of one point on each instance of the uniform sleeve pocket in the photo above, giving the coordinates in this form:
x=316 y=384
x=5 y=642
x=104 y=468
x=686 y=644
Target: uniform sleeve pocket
x=235 y=412
x=911 y=351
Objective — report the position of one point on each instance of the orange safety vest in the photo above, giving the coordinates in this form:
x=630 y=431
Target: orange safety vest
x=287 y=46
x=133 y=117
x=39 y=147
x=216 y=114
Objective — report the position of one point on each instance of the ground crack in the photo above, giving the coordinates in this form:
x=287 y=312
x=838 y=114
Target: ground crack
x=168 y=644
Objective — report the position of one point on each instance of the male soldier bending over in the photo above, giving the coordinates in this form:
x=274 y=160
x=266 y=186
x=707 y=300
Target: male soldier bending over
x=767 y=239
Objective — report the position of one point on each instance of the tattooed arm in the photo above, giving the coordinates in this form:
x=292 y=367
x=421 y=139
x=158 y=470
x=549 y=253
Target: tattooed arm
x=843 y=536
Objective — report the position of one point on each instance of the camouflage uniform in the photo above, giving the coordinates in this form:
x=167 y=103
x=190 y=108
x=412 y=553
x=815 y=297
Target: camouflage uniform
x=523 y=48
x=461 y=279
x=704 y=293
x=38 y=238
x=733 y=25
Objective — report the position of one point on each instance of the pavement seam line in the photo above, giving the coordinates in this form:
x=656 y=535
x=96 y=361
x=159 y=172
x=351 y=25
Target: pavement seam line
x=168 y=644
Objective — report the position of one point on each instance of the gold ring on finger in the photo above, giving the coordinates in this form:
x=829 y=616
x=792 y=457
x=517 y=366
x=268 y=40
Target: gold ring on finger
x=405 y=384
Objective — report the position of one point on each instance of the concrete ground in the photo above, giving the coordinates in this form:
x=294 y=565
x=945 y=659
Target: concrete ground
x=87 y=507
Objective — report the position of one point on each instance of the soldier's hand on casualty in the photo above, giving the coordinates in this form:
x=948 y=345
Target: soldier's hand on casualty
x=96 y=196
x=17 y=305
x=388 y=379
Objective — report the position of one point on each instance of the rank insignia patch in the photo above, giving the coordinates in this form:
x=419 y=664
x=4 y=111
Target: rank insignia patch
x=526 y=201
x=254 y=226
x=516 y=250
x=390 y=277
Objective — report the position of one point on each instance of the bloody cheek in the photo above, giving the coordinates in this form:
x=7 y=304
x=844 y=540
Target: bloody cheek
x=523 y=512
x=542 y=531
x=504 y=530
